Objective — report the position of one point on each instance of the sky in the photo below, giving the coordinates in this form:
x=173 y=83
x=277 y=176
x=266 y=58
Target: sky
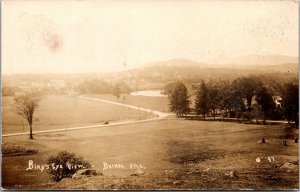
x=52 y=36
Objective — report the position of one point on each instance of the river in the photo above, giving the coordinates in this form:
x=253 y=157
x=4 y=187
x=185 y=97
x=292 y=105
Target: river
x=148 y=93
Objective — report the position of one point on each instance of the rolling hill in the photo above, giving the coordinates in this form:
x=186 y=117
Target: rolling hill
x=235 y=67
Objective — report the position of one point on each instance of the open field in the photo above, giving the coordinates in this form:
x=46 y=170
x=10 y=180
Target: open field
x=66 y=111
x=177 y=154
x=154 y=103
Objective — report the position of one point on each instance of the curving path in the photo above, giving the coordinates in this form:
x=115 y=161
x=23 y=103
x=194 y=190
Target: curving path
x=159 y=115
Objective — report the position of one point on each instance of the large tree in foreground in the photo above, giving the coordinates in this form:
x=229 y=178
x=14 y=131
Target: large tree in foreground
x=25 y=106
x=290 y=103
x=214 y=98
x=202 y=104
x=265 y=101
x=179 y=100
x=247 y=86
x=235 y=102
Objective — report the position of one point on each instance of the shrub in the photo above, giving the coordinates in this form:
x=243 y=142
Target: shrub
x=11 y=149
x=247 y=116
x=65 y=164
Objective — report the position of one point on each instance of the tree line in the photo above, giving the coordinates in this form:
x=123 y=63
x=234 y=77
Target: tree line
x=99 y=86
x=245 y=97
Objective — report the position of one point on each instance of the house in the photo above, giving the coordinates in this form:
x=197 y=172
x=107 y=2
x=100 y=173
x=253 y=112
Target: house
x=277 y=100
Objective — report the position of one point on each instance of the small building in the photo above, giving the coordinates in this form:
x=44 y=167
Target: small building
x=277 y=100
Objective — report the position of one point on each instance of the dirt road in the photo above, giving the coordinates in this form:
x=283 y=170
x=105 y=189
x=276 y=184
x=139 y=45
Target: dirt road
x=159 y=115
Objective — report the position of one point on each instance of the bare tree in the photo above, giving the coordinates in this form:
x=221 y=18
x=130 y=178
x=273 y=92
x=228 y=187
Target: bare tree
x=25 y=106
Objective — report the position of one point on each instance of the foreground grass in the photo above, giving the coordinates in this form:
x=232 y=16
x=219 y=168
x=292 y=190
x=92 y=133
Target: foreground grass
x=177 y=154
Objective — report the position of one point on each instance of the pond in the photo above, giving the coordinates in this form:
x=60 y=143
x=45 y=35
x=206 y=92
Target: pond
x=149 y=93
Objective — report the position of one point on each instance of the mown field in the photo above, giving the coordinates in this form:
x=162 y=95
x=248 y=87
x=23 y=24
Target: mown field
x=66 y=111
x=177 y=154
x=155 y=103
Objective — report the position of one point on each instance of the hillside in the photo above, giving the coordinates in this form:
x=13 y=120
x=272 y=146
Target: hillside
x=187 y=69
x=156 y=74
x=254 y=60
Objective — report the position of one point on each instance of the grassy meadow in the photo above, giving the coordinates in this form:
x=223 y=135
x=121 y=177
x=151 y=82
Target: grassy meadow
x=177 y=154
x=154 y=103
x=66 y=111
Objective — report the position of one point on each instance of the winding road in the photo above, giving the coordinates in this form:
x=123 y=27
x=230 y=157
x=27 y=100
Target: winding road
x=159 y=115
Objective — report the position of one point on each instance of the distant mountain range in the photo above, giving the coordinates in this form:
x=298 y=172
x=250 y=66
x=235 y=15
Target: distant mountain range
x=237 y=62
x=234 y=67
x=170 y=70
x=176 y=63
x=271 y=62
x=255 y=60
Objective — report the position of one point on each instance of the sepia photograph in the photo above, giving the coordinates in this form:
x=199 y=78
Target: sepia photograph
x=149 y=95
